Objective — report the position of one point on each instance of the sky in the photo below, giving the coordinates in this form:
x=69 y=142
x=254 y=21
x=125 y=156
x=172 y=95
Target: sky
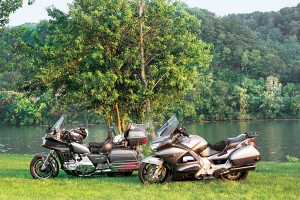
x=37 y=11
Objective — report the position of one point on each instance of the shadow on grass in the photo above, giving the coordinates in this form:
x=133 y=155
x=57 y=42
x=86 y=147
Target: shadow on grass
x=62 y=176
x=25 y=174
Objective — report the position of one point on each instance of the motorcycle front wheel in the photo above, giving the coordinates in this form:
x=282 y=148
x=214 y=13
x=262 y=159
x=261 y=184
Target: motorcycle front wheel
x=37 y=172
x=238 y=176
x=154 y=174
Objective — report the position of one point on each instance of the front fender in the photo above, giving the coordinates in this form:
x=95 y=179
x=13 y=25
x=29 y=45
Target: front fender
x=153 y=160
x=41 y=155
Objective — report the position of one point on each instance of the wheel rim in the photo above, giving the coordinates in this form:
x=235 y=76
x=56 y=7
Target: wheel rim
x=233 y=176
x=149 y=174
x=40 y=173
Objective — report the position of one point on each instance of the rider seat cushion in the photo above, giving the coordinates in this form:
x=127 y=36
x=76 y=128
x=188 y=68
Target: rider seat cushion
x=219 y=146
x=96 y=144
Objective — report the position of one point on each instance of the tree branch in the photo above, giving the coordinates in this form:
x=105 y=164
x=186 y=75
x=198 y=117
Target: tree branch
x=160 y=78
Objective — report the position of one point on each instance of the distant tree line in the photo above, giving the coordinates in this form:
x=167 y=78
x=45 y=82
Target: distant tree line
x=115 y=61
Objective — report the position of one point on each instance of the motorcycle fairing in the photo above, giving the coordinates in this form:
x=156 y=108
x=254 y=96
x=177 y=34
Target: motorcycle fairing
x=52 y=143
x=166 y=130
x=79 y=148
x=153 y=160
x=194 y=142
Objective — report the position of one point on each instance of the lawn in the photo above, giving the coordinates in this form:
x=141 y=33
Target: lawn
x=268 y=181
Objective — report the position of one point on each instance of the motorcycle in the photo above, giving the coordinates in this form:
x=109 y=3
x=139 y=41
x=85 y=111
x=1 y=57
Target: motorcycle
x=178 y=155
x=118 y=155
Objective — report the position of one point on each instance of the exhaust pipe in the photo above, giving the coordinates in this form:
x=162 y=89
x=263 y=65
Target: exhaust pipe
x=239 y=169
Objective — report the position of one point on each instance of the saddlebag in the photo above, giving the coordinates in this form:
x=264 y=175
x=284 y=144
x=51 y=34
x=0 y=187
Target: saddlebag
x=122 y=155
x=123 y=159
x=97 y=158
x=247 y=155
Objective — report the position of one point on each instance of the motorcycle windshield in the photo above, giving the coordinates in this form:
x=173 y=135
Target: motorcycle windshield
x=57 y=125
x=166 y=130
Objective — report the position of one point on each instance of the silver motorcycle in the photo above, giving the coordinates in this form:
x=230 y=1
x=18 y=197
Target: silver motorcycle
x=178 y=155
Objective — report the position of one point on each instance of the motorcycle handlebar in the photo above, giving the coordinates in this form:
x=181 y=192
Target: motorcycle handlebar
x=186 y=134
x=182 y=131
x=252 y=134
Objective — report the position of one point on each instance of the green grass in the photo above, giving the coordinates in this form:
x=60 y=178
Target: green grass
x=268 y=181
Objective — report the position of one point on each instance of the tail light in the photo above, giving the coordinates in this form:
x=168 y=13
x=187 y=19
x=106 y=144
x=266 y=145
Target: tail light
x=251 y=139
x=258 y=158
x=144 y=141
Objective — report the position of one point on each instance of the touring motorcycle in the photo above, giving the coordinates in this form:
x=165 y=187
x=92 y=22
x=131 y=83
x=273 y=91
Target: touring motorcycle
x=118 y=155
x=178 y=155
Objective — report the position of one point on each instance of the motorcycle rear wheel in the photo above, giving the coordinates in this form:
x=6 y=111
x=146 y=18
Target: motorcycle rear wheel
x=146 y=174
x=37 y=172
x=238 y=176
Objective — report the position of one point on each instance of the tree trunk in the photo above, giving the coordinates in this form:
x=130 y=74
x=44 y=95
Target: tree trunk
x=143 y=65
x=108 y=119
x=143 y=60
x=123 y=125
x=118 y=118
x=149 y=119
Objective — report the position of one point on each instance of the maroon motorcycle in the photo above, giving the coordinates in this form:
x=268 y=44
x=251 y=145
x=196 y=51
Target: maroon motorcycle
x=118 y=155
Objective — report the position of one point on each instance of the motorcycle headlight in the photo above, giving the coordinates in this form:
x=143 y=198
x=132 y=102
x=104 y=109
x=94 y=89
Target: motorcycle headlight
x=154 y=146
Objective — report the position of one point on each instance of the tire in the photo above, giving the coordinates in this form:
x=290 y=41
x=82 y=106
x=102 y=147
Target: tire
x=119 y=174
x=238 y=176
x=146 y=172
x=51 y=170
x=54 y=161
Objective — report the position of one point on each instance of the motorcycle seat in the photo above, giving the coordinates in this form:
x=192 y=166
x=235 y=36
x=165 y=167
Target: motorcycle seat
x=96 y=147
x=96 y=144
x=126 y=132
x=219 y=146
x=227 y=143
x=237 y=139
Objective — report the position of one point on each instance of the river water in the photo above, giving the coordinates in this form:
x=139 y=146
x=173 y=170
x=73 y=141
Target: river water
x=278 y=138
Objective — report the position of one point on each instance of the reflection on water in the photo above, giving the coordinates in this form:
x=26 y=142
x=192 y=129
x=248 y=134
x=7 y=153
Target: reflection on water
x=28 y=140
x=278 y=139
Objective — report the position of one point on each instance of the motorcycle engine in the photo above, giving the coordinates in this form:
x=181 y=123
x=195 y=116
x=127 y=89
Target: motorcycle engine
x=82 y=165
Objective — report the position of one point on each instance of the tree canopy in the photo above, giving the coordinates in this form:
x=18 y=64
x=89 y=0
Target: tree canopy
x=7 y=7
x=145 y=59
x=112 y=58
